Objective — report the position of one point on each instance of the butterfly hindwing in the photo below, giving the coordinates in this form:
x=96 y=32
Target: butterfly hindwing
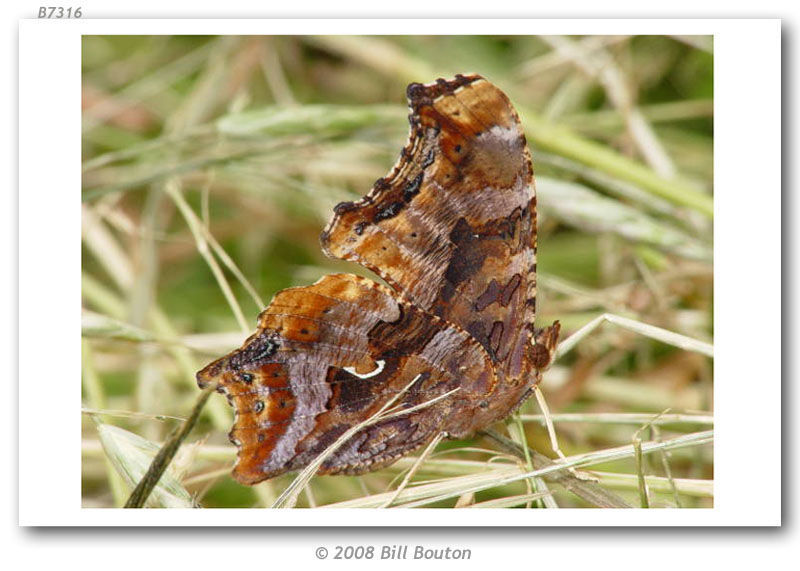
x=330 y=355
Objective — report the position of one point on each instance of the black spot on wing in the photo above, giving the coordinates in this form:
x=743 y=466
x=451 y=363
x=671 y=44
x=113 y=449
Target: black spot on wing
x=389 y=211
x=412 y=188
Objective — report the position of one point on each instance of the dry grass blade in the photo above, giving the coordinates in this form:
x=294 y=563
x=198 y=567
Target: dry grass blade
x=289 y=496
x=552 y=59
x=625 y=191
x=598 y=64
x=511 y=501
x=129 y=414
x=101 y=326
x=588 y=491
x=657 y=484
x=413 y=470
x=131 y=455
x=573 y=462
x=651 y=331
x=644 y=496
x=174 y=191
x=584 y=208
x=162 y=460
x=622 y=418
x=551 y=431
x=319 y=120
x=562 y=140
x=427 y=494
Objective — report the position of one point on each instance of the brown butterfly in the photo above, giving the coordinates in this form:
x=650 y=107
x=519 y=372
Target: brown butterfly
x=452 y=230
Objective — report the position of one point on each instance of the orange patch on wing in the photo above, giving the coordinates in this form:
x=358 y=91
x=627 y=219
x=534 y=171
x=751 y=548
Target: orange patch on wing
x=292 y=327
x=273 y=376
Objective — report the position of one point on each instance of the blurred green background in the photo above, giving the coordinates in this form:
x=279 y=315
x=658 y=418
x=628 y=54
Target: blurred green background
x=211 y=164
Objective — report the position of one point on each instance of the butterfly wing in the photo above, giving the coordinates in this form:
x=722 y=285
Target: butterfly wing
x=328 y=356
x=452 y=229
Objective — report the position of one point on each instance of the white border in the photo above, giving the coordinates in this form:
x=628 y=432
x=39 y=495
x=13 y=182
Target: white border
x=747 y=262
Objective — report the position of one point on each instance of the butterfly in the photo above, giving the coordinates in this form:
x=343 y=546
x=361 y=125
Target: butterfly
x=452 y=231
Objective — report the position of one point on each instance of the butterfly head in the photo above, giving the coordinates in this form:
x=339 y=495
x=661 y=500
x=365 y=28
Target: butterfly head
x=543 y=349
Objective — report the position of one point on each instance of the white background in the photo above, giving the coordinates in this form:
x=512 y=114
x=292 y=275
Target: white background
x=747 y=343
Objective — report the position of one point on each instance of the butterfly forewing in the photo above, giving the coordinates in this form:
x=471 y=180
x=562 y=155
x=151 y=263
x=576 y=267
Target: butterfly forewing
x=453 y=227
